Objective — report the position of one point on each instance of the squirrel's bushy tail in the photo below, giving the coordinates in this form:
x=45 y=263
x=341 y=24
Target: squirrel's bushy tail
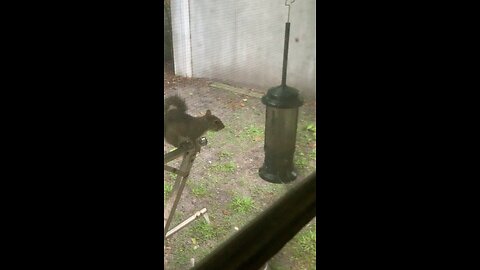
x=176 y=101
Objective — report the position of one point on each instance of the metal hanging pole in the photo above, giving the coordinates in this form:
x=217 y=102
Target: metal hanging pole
x=288 y=3
x=285 y=47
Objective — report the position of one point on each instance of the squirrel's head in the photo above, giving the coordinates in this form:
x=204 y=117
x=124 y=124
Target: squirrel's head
x=215 y=122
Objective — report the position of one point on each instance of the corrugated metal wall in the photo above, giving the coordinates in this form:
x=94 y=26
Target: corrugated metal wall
x=242 y=41
x=167 y=33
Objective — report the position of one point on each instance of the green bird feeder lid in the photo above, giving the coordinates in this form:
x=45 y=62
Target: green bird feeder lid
x=282 y=96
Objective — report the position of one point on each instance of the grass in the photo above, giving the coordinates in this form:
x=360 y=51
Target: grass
x=225 y=154
x=252 y=133
x=212 y=178
x=304 y=246
x=306 y=153
x=227 y=167
x=226 y=226
x=167 y=188
x=181 y=258
x=278 y=267
x=211 y=135
x=171 y=175
x=307 y=135
x=201 y=230
x=177 y=218
x=221 y=137
x=307 y=242
x=242 y=204
x=312 y=128
x=301 y=251
x=199 y=190
x=268 y=189
x=301 y=161
x=194 y=244
x=313 y=154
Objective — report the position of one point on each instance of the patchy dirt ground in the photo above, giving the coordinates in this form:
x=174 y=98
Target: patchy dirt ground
x=224 y=177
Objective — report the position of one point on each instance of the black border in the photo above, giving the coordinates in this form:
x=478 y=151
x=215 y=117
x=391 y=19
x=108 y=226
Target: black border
x=89 y=184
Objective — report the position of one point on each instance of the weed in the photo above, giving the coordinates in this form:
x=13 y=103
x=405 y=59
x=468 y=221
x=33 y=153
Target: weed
x=178 y=217
x=180 y=258
x=301 y=161
x=226 y=134
x=308 y=241
x=263 y=188
x=312 y=128
x=242 y=204
x=276 y=266
x=224 y=167
x=234 y=220
x=200 y=190
x=211 y=134
x=171 y=175
x=225 y=154
x=203 y=231
x=252 y=133
x=313 y=154
x=304 y=245
x=167 y=188
x=213 y=178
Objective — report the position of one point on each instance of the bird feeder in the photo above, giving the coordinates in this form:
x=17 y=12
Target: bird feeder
x=281 y=126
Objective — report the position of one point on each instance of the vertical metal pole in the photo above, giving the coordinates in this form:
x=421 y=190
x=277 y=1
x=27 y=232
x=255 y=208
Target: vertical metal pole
x=285 y=54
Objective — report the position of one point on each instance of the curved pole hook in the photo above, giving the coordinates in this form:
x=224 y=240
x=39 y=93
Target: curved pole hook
x=288 y=3
x=291 y=2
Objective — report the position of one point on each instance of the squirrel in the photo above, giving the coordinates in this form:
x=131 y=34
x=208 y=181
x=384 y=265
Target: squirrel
x=180 y=127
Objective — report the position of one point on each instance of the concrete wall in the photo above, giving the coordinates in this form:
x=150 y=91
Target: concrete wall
x=242 y=41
